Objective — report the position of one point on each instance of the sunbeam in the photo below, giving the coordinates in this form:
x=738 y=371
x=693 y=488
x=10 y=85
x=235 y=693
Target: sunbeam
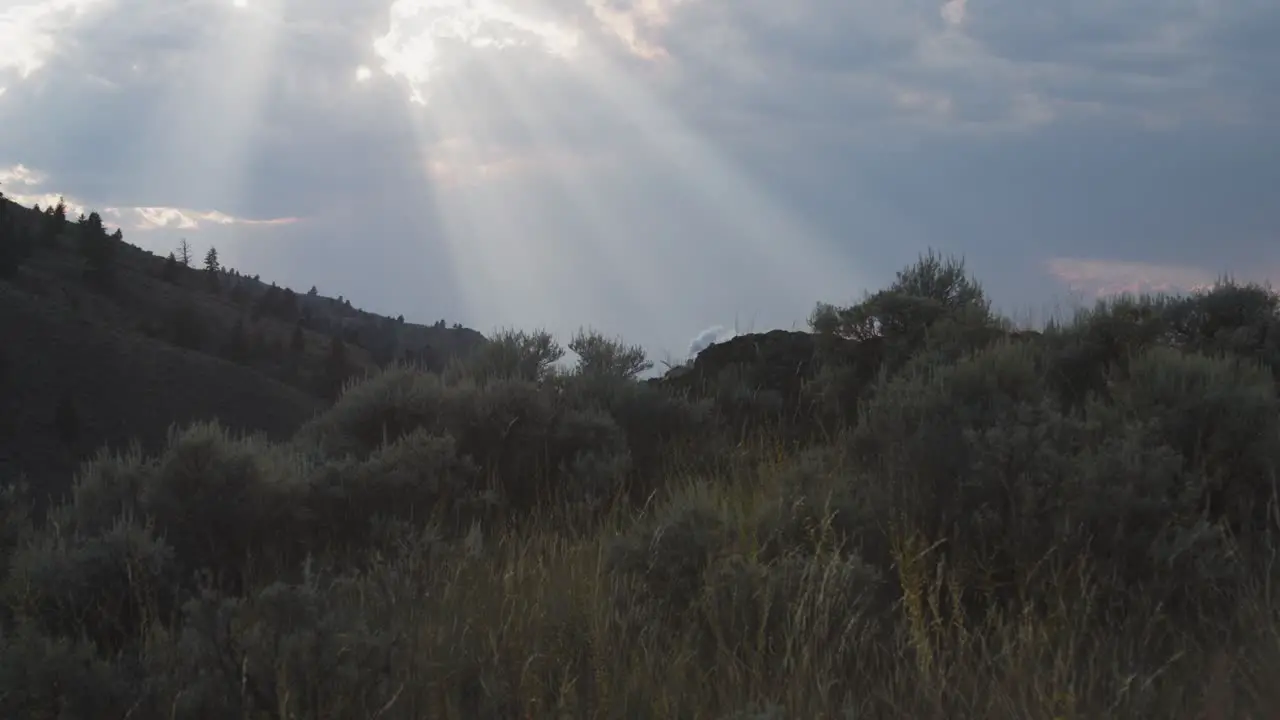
x=499 y=229
x=210 y=137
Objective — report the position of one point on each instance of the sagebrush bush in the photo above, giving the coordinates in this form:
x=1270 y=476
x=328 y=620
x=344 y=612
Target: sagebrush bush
x=219 y=501
x=667 y=561
x=510 y=355
x=418 y=477
x=1222 y=415
x=530 y=441
x=1081 y=355
x=818 y=503
x=1239 y=320
x=288 y=650
x=105 y=587
x=975 y=454
x=381 y=409
x=661 y=429
x=45 y=677
x=16 y=524
x=952 y=519
x=107 y=486
x=920 y=434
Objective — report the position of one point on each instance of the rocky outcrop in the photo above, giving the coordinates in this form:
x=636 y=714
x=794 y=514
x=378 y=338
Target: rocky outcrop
x=784 y=362
x=781 y=361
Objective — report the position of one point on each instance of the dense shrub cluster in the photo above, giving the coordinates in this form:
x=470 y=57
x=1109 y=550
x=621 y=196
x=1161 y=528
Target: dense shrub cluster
x=974 y=522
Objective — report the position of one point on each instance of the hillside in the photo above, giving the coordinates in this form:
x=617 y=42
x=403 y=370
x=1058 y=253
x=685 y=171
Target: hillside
x=132 y=342
x=915 y=510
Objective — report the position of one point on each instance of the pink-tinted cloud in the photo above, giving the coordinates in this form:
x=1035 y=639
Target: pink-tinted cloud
x=1099 y=278
x=156 y=218
x=636 y=23
x=25 y=186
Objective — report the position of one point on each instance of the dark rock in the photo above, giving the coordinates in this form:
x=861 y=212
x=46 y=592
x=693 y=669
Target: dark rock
x=783 y=362
x=780 y=360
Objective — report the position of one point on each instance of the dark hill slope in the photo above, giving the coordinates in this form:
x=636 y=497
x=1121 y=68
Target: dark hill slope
x=120 y=387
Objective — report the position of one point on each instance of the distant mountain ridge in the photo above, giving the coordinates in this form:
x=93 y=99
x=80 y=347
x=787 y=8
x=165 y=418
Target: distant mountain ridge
x=102 y=342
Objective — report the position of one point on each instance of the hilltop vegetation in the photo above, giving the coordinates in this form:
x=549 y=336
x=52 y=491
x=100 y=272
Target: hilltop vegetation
x=914 y=511
x=106 y=343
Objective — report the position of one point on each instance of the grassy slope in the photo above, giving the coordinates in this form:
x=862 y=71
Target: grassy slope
x=112 y=355
x=123 y=385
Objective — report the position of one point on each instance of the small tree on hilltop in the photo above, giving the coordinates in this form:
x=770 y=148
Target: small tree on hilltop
x=288 y=306
x=211 y=268
x=211 y=263
x=99 y=251
x=15 y=242
x=184 y=252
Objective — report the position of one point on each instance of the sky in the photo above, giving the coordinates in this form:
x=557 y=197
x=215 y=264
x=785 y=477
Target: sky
x=667 y=171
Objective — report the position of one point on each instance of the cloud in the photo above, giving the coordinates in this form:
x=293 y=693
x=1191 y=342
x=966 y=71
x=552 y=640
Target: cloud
x=21 y=185
x=1100 y=278
x=411 y=47
x=154 y=218
x=636 y=23
x=953 y=11
x=710 y=336
x=29 y=33
x=20 y=175
x=648 y=166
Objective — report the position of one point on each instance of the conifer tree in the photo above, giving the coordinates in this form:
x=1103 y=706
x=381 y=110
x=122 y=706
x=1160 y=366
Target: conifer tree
x=211 y=269
x=99 y=251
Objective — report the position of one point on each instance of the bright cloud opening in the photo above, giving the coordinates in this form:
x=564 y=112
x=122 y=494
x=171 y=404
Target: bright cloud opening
x=632 y=25
x=421 y=33
x=29 y=32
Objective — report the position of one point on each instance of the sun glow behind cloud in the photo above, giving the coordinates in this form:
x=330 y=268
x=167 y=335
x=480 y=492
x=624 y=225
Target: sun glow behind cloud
x=29 y=32
x=414 y=46
x=632 y=25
